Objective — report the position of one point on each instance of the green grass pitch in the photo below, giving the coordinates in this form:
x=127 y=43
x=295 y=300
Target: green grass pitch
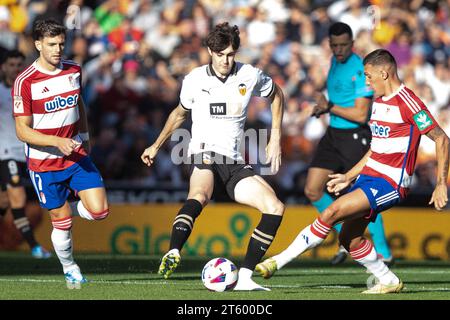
x=135 y=278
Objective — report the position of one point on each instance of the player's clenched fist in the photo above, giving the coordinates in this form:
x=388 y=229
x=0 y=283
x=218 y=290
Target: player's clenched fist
x=67 y=145
x=337 y=183
x=148 y=155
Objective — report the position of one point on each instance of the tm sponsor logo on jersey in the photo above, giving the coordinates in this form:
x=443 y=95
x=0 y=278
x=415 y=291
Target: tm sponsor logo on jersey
x=379 y=130
x=218 y=109
x=61 y=103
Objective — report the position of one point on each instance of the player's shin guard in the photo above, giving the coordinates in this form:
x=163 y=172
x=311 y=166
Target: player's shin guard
x=23 y=225
x=184 y=223
x=261 y=240
x=308 y=238
x=62 y=242
x=78 y=209
x=366 y=255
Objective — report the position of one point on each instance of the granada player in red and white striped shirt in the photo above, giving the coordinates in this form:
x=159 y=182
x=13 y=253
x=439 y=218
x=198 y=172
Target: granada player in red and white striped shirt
x=398 y=120
x=51 y=119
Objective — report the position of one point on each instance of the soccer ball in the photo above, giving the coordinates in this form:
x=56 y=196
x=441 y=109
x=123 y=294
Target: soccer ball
x=219 y=275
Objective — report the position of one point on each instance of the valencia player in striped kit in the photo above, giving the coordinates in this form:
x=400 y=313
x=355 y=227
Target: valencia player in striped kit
x=217 y=95
x=12 y=158
x=51 y=119
x=383 y=175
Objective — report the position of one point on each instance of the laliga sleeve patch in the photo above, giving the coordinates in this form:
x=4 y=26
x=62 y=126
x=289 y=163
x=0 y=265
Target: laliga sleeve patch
x=18 y=104
x=422 y=120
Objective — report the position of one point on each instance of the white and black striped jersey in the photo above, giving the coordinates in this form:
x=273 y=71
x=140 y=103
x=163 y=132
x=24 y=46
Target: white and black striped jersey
x=10 y=146
x=219 y=106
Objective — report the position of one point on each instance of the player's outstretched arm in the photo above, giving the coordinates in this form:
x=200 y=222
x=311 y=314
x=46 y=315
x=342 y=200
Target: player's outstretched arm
x=174 y=121
x=27 y=134
x=439 y=197
x=273 y=149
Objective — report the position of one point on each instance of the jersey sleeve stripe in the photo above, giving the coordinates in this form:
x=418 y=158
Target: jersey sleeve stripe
x=414 y=101
x=411 y=106
x=271 y=90
x=19 y=81
x=184 y=107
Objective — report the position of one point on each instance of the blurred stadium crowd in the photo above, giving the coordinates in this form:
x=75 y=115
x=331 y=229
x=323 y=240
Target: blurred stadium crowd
x=135 y=53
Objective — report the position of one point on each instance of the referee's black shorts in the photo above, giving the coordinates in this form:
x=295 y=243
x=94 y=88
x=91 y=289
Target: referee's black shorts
x=340 y=149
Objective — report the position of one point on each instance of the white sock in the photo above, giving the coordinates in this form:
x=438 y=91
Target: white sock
x=245 y=273
x=308 y=238
x=79 y=210
x=62 y=243
x=367 y=256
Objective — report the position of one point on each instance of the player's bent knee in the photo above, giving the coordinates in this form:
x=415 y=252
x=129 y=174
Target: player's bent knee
x=100 y=215
x=312 y=194
x=274 y=206
x=331 y=214
x=200 y=197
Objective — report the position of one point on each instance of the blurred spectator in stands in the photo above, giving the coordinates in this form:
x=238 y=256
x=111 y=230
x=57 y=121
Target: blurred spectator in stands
x=260 y=30
x=79 y=52
x=135 y=53
x=364 y=43
x=190 y=42
x=133 y=80
x=145 y=14
x=202 y=22
x=126 y=39
x=108 y=15
x=8 y=39
x=116 y=101
x=321 y=22
x=440 y=84
x=352 y=13
x=162 y=39
x=400 y=48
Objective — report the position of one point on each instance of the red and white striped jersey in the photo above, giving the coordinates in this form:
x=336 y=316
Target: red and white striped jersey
x=51 y=99
x=397 y=123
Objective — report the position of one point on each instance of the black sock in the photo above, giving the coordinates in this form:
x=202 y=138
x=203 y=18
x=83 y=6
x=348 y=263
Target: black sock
x=23 y=225
x=261 y=240
x=184 y=223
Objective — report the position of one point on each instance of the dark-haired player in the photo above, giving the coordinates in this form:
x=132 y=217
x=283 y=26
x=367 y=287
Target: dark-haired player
x=217 y=96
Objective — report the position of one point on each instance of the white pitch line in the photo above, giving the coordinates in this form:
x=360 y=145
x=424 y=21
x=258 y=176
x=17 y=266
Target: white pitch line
x=93 y=281
x=362 y=271
x=423 y=289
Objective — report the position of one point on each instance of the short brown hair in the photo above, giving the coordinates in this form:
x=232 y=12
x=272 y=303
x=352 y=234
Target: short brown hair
x=222 y=36
x=47 y=28
x=380 y=57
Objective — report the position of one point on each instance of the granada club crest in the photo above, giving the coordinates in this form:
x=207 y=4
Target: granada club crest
x=72 y=81
x=242 y=89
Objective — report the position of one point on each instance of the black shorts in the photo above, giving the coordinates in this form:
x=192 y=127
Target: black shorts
x=340 y=149
x=12 y=172
x=227 y=172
